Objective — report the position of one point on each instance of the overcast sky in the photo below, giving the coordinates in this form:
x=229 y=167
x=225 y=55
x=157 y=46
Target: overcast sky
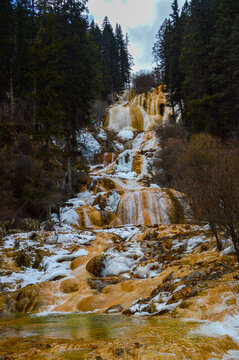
x=141 y=19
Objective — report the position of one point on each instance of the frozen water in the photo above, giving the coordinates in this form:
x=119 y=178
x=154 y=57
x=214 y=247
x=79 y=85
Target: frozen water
x=112 y=202
x=126 y=135
x=87 y=144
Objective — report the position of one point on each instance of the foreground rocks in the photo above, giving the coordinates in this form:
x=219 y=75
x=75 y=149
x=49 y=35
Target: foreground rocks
x=167 y=269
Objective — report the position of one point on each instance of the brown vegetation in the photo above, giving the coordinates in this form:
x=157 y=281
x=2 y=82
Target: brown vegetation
x=143 y=82
x=206 y=169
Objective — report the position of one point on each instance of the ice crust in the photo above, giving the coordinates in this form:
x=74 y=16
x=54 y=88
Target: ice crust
x=126 y=135
x=57 y=264
x=87 y=144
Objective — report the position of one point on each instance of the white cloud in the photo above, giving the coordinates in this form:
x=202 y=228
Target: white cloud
x=140 y=18
x=128 y=13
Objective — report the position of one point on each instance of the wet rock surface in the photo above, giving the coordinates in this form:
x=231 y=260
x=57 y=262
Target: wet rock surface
x=96 y=265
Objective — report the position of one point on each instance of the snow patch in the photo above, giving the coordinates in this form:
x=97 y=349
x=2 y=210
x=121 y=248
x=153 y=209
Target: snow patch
x=112 y=202
x=126 y=135
x=125 y=233
x=102 y=134
x=154 y=186
x=125 y=161
x=69 y=216
x=87 y=144
x=148 y=271
x=229 y=250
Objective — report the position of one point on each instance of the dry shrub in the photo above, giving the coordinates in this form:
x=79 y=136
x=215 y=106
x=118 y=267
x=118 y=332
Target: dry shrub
x=3 y=230
x=99 y=110
x=208 y=172
x=143 y=82
x=23 y=259
x=29 y=224
x=48 y=225
x=173 y=144
x=38 y=260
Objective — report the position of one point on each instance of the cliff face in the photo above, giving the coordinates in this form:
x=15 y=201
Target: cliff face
x=124 y=245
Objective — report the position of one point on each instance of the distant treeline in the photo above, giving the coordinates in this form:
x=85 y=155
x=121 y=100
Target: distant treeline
x=56 y=72
x=197 y=53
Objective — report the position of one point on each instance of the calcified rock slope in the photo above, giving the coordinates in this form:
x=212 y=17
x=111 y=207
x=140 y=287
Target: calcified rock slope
x=125 y=245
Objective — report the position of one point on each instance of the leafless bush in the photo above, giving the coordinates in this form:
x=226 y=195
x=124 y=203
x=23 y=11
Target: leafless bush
x=48 y=225
x=23 y=259
x=99 y=111
x=29 y=224
x=38 y=260
x=208 y=172
x=143 y=82
x=172 y=141
x=3 y=230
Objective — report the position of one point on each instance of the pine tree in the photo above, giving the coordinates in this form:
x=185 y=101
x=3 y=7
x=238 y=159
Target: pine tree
x=124 y=57
x=25 y=32
x=234 y=66
x=6 y=46
x=111 y=55
x=194 y=62
x=175 y=73
x=224 y=67
x=167 y=51
x=161 y=50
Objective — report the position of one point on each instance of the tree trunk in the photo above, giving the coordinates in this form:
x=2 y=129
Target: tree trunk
x=18 y=212
x=11 y=97
x=181 y=108
x=48 y=213
x=235 y=241
x=174 y=115
x=69 y=173
x=58 y=211
x=214 y=231
x=34 y=103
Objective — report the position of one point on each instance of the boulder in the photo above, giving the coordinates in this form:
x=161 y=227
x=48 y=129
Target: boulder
x=114 y=309
x=180 y=295
x=69 y=286
x=33 y=297
x=96 y=265
x=100 y=284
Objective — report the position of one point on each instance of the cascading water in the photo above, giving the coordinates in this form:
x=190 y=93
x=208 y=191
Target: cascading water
x=140 y=112
x=132 y=117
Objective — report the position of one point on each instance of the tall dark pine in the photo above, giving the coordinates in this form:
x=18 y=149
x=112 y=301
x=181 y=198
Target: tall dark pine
x=194 y=62
x=103 y=77
x=6 y=46
x=45 y=52
x=124 y=57
x=224 y=68
x=175 y=74
x=166 y=51
x=111 y=55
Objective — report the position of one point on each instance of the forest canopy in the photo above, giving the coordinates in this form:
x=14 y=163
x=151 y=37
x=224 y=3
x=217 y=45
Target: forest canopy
x=197 y=51
x=57 y=72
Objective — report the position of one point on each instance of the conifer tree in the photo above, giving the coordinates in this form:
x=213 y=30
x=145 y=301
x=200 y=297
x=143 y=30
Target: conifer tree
x=25 y=31
x=124 y=58
x=111 y=55
x=6 y=46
